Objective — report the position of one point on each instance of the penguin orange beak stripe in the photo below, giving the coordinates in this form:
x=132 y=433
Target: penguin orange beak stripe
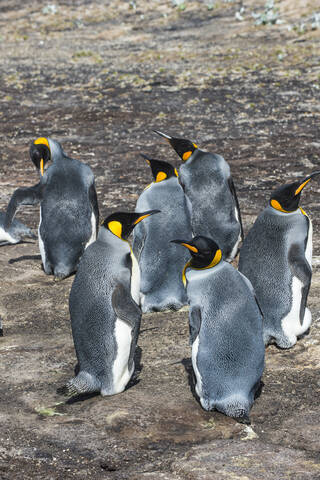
x=141 y=218
x=41 y=166
x=190 y=247
x=301 y=186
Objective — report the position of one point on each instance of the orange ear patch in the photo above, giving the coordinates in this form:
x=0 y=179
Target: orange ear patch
x=161 y=176
x=186 y=155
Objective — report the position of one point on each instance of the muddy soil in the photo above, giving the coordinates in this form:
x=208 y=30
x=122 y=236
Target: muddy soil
x=98 y=77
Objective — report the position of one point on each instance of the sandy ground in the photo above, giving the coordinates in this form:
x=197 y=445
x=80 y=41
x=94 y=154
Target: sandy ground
x=99 y=76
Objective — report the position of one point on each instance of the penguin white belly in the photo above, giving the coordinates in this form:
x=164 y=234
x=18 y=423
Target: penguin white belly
x=41 y=244
x=236 y=245
x=291 y=325
x=120 y=371
x=6 y=237
x=195 y=347
x=308 y=252
x=135 y=280
x=93 y=231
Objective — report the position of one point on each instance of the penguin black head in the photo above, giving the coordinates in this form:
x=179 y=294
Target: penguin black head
x=183 y=147
x=205 y=253
x=121 y=224
x=160 y=170
x=40 y=153
x=286 y=198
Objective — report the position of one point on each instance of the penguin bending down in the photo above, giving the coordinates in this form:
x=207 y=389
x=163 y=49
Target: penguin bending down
x=206 y=180
x=160 y=266
x=104 y=311
x=69 y=214
x=276 y=257
x=225 y=331
x=16 y=232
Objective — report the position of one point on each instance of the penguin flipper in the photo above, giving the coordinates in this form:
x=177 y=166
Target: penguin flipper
x=234 y=194
x=94 y=204
x=301 y=269
x=22 y=196
x=194 y=323
x=125 y=307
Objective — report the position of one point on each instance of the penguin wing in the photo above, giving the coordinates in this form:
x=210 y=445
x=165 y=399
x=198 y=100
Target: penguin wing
x=234 y=194
x=301 y=269
x=125 y=307
x=22 y=196
x=94 y=203
x=194 y=323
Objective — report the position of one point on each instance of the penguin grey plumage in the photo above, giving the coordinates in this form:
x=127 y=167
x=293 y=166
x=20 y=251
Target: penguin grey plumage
x=225 y=331
x=104 y=311
x=276 y=257
x=69 y=214
x=161 y=264
x=207 y=183
x=16 y=232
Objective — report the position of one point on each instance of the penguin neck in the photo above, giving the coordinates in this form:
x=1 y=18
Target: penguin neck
x=105 y=236
x=274 y=211
x=56 y=151
x=197 y=273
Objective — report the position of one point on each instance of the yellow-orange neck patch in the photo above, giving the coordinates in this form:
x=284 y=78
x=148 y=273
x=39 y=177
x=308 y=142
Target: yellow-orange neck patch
x=115 y=227
x=160 y=176
x=42 y=141
x=216 y=259
x=176 y=172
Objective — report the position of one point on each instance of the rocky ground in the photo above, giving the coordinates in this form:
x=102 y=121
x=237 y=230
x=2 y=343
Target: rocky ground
x=99 y=76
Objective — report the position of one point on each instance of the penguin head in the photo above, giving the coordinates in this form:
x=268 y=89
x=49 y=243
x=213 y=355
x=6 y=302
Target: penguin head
x=286 y=198
x=183 y=147
x=121 y=224
x=160 y=170
x=40 y=153
x=205 y=253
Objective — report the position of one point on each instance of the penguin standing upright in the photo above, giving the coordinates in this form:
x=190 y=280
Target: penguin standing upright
x=225 y=331
x=104 y=311
x=206 y=180
x=160 y=266
x=69 y=215
x=276 y=257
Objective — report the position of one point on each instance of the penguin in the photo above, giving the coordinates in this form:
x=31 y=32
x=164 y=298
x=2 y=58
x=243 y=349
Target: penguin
x=207 y=183
x=225 y=331
x=16 y=232
x=276 y=256
x=104 y=309
x=69 y=214
x=160 y=266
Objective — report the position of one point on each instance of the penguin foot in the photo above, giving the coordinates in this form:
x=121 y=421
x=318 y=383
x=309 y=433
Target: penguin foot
x=67 y=390
x=244 y=419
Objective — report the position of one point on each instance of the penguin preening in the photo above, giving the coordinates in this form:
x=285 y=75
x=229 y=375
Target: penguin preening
x=225 y=331
x=206 y=180
x=16 y=232
x=276 y=257
x=69 y=214
x=104 y=309
x=161 y=263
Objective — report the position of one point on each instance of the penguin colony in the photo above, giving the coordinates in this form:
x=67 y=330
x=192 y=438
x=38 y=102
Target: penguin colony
x=186 y=230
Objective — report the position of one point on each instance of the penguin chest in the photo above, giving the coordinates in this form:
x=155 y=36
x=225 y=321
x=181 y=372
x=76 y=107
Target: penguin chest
x=120 y=369
x=41 y=244
x=93 y=231
x=135 y=279
x=195 y=348
x=6 y=237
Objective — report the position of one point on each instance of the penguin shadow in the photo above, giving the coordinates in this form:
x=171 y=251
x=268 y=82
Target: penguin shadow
x=85 y=396
x=24 y=257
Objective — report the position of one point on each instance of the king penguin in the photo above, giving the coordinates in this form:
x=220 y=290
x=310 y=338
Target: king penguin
x=276 y=257
x=207 y=183
x=225 y=331
x=104 y=311
x=160 y=265
x=69 y=214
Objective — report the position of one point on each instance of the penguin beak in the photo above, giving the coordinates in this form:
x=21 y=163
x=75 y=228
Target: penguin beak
x=148 y=159
x=163 y=135
x=305 y=181
x=41 y=166
x=145 y=215
x=185 y=244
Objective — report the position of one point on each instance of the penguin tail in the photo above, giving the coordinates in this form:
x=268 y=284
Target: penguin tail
x=237 y=407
